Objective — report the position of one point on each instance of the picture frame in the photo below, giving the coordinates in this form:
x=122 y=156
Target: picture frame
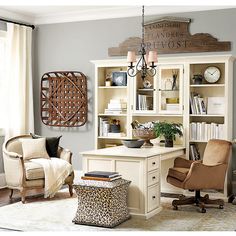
x=119 y=78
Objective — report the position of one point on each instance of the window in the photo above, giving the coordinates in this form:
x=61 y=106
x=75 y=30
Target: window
x=2 y=77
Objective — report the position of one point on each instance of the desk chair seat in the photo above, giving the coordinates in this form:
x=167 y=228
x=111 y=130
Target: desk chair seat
x=198 y=175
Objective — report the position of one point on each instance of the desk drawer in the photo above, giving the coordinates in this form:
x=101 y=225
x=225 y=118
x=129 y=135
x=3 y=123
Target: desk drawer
x=153 y=163
x=153 y=177
x=153 y=197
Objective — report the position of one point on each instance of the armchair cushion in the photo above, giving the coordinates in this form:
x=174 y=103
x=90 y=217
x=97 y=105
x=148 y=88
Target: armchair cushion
x=34 y=148
x=52 y=144
x=178 y=173
x=33 y=171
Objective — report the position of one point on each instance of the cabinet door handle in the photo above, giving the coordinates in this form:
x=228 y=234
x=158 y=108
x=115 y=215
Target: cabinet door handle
x=154 y=163
x=153 y=197
x=153 y=177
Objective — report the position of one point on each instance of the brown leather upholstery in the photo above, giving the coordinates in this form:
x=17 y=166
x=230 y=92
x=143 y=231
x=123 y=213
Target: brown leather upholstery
x=208 y=174
x=178 y=173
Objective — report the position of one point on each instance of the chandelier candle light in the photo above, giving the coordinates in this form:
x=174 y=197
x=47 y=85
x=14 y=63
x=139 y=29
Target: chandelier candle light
x=144 y=61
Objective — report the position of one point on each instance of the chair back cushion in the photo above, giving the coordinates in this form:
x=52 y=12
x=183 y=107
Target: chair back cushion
x=217 y=152
x=34 y=148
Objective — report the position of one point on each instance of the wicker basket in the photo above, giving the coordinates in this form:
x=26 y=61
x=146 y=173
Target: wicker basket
x=146 y=135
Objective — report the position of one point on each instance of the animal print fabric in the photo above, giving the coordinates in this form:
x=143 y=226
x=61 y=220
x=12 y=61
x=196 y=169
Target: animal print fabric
x=102 y=203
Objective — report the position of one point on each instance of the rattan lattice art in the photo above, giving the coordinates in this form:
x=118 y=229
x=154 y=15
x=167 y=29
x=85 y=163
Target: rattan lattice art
x=64 y=99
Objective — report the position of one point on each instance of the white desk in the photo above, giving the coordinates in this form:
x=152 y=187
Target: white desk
x=140 y=165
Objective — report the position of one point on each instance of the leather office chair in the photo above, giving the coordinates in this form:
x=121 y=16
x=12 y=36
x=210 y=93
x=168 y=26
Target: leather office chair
x=198 y=175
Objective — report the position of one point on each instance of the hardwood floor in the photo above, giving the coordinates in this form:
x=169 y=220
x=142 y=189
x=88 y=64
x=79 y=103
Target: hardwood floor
x=5 y=200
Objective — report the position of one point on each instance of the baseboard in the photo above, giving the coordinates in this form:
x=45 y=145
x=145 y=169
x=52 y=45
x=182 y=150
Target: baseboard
x=2 y=181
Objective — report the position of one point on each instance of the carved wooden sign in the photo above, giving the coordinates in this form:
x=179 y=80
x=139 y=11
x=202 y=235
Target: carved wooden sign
x=171 y=35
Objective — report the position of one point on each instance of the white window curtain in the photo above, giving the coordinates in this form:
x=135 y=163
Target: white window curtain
x=18 y=82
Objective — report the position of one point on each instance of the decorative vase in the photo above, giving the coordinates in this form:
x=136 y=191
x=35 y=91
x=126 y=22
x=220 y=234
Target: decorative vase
x=169 y=142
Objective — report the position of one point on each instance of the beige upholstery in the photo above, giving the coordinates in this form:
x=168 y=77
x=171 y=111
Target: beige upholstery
x=208 y=174
x=33 y=171
x=23 y=174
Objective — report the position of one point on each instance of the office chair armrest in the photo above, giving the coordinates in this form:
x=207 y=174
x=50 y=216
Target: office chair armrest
x=201 y=176
x=182 y=162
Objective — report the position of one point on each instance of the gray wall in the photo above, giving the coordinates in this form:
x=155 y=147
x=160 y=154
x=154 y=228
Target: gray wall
x=71 y=46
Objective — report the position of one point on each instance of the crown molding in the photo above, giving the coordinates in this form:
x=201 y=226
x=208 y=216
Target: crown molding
x=16 y=16
x=98 y=13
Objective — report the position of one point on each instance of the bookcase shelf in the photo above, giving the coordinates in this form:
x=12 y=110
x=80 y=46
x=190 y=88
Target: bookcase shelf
x=206 y=85
x=207 y=115
x=106 y=137
x=104 y=114
x=197 y=141
x=112 y=87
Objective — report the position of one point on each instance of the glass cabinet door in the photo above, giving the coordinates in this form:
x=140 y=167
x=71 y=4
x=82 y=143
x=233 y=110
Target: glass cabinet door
x=170 y=80
x=145 y=94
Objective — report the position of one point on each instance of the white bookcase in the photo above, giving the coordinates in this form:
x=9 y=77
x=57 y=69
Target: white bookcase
x=166 y=103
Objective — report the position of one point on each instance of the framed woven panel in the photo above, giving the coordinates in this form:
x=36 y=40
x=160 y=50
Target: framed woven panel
x=64 y=99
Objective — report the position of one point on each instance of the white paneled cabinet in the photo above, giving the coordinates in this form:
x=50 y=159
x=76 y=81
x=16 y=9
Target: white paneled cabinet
x=166 y=101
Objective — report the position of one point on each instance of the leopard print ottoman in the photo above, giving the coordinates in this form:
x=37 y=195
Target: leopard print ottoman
x=102 y=203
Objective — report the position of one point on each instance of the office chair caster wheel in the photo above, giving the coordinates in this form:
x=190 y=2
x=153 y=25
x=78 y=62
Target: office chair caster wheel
x=203 y=210
x=175 y=208
x=181 y=197
x=221 y=206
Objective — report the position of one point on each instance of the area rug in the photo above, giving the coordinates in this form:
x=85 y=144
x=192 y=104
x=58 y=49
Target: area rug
x=57 y=214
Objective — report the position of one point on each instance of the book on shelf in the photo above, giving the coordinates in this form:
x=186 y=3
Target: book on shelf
x=144 y=102
x=201 y=131
x=102 y=174
x=115 y=111
x=101 y=178
x=197 y=104
x=194 y=153
x=116 y=106
x=103 y=126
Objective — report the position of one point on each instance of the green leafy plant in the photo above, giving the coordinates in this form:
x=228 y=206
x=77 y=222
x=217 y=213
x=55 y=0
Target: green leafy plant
x=168 y=130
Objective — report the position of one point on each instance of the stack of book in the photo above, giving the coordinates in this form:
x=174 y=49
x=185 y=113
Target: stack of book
x=101 y=176
x=104 y=126
x=116 y=106
x=194 y=153
x=144 y=102
x=203 y=132
x=197 y=104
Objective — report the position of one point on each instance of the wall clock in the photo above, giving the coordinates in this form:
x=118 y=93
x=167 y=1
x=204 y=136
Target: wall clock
x=212 y=74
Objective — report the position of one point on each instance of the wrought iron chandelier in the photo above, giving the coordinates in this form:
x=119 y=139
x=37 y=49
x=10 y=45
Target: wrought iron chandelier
x=146 y=64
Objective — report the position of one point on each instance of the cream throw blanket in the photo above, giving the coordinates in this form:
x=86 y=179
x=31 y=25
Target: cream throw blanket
x=56 y=171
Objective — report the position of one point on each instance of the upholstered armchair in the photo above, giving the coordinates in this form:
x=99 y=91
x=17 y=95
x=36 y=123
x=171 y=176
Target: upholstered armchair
x=199 y=175
x=25 y=175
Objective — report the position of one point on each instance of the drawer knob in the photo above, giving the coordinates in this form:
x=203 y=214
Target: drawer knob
x=154 y=163
x=153 y=197
x=153 y=177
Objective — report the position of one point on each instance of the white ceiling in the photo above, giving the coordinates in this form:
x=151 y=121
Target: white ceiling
x=58 y=14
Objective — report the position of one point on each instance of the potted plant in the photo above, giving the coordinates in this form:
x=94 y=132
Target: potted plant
x=168 y=131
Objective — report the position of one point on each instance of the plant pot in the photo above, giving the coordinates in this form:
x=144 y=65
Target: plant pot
x=197 y=79
x=169 y=143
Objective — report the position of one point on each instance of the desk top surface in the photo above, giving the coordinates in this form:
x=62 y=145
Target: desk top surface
x=123 y=151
